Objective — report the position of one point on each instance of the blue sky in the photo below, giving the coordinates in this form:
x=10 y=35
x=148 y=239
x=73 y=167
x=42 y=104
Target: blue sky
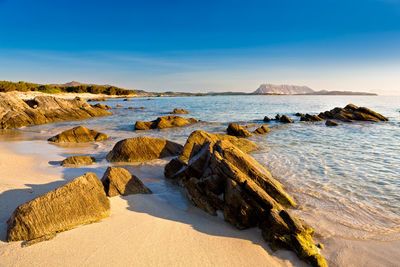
x=204 y=45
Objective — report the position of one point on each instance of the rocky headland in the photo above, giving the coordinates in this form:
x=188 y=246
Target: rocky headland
x=15 y=113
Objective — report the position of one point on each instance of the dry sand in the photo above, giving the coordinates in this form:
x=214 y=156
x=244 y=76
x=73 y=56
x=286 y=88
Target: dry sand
x=142 y=230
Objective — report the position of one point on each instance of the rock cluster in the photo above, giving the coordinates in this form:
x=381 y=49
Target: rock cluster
x=352 y=113
x=77 y=161
x=164 y=122
x=220 y=176
x=78 y=134
x=310 y=118
x=179 y=111
x=262 y=130
x=240 y=131
x=98 y=99
x=140 y=149
x=80 y=201
x=118 y=181
x=15 y=113
x=105 y=107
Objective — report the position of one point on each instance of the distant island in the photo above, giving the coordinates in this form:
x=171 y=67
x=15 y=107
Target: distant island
x=77 y=87
x=272 y=89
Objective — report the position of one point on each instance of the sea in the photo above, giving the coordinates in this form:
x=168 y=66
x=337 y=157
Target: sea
x=346 y=179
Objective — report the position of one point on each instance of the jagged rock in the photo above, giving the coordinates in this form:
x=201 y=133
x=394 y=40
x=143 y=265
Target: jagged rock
x=198 y=138
x=331 y=123
x=164 y=122
x=105 y=107
x=298 y=114
x=278 y=117
x=285 y=119
x=78 y=160
x=78 y=134
x=309 y=117
x=219 y=176
x=352 y=113
x=127 y=99
x=142 y=148
x=80 y=201
x=118 y=181
x=237 y=130
x=266 y=119
x=15 y=113
x=179 y=111
x=262 y=130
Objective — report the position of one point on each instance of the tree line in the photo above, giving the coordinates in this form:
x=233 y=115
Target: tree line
x=6 y=86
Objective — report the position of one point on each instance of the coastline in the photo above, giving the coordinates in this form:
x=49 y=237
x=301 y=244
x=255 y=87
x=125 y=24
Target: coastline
x=142 y=230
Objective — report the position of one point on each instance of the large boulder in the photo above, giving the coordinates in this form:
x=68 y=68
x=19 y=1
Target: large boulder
x=352 y=113
x=80 y=201
x=218 y=176
x=77 y=161
x=143 y=148
x=164 y=122
x=179 y=111
x=118 y=181
x=78 y=134
x=237 y=130
x=15 y=113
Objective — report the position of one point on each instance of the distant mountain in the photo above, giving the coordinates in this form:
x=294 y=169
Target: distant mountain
x=75 y=83
x=272 y=89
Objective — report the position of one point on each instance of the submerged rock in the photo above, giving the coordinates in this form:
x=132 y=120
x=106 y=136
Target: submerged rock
x=311 y=118
x=237 y=130
x=164 y=122
x=15 y=113
x=100 y=99
x=78 y=160
x=118 y=181
x=352 y=113
x=142 y=148
x=262 y=130
x=80 y=201
x=105 y=107
x=78 y=134
x=127 y=99
x=331 y=123
x=219 y=176
x=285 y=119
x=179 y=111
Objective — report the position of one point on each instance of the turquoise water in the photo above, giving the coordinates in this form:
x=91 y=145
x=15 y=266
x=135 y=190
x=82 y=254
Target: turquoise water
x=346 y=179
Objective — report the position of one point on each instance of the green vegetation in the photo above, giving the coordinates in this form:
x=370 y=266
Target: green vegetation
x=6 y=86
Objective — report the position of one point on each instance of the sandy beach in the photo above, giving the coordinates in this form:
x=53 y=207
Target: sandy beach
x=142 y=230
x=146 y=231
